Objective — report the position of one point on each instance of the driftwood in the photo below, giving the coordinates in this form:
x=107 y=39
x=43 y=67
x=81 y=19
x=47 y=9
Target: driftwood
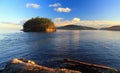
x=89 y=68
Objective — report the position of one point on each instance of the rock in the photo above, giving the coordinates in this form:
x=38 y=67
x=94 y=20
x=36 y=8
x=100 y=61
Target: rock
x=19 y=66
x=1 y=70
x=88 y=67
x=39 y=25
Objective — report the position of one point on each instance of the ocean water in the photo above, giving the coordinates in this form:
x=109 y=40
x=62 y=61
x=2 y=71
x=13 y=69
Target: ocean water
x=92 y=46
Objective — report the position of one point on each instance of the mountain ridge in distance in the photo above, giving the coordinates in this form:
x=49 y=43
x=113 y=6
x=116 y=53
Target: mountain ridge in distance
x=76 y=27
x=112 y=28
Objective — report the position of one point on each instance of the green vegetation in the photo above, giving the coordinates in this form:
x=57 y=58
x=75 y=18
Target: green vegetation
x=39 y=25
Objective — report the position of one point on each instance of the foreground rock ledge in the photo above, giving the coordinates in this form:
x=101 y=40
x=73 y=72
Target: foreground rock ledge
x=23 y=66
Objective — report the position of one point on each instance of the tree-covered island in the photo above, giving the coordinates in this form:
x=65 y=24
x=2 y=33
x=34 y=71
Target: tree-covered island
x=39 y=25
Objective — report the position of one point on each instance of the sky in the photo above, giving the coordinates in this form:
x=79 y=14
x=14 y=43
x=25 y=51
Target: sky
x=93 y=13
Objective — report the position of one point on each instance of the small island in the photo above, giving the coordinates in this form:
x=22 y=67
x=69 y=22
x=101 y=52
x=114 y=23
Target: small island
x=39 y=25
x=76 y=27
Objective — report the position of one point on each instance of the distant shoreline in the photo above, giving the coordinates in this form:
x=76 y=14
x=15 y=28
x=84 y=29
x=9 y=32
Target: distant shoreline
x=75 y=27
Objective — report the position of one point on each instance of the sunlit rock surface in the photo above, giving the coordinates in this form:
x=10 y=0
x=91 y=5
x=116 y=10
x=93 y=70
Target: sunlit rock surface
x=28 y=66
x=69 y=66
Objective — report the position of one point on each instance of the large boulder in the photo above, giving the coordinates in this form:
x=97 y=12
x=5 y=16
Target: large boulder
x=39 y=25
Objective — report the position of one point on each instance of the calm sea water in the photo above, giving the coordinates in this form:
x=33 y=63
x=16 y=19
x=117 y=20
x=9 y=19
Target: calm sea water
x=99 y=47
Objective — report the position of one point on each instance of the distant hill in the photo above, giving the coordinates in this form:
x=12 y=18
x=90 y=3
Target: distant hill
x=114 y=28
x=75 y=27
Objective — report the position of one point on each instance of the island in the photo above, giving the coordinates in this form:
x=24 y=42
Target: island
x=39 y=25
x=76 y=27
x=113 y=28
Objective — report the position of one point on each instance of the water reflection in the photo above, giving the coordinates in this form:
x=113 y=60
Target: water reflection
x=100 y=47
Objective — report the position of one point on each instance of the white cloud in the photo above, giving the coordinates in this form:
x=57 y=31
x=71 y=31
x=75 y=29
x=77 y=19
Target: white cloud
x=67 y=22
x=59 y=9
x=55 y=5
x=6 y=22
x=76 y=20
x=58 y=19
x=22 y=21
x=98 y=23
x=32 y=5
x=90 y=23
x=10 y=25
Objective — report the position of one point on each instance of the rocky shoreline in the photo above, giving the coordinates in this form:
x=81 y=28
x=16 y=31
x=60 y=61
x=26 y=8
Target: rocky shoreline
x=70 y=66
x=28 y=66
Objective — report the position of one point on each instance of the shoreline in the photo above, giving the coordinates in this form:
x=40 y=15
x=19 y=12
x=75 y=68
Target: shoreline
x=69 y=66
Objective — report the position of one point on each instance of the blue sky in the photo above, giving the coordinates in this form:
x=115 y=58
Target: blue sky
x=96 y=13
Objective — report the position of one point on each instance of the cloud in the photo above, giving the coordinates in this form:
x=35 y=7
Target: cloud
x=22 y=21
x=76 y=20
x=59 y=9
x=90 y=23
x=67 y=22
x=10 y=25
x=99 y=23
x=5 y=22
x=36 y=6
x=55 y=5
x=58 y=19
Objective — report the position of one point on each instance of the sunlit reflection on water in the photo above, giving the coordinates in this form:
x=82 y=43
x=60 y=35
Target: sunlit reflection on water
x=100 y=47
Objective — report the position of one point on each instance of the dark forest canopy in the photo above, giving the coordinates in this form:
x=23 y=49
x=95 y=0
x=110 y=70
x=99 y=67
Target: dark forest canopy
x=39 y=25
